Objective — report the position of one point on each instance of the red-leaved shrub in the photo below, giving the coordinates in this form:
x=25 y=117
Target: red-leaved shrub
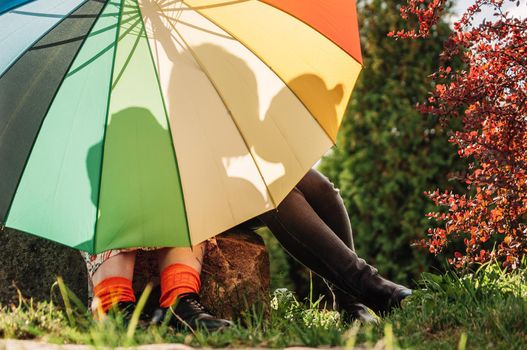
x=489 y=93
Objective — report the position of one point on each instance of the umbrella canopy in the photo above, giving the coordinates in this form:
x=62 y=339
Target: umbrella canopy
x=140 y=123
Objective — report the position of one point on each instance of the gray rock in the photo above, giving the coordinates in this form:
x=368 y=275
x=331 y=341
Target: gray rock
x=32 y=264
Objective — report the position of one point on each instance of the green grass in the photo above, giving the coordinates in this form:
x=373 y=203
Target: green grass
x=483 y=310
x=488 y=307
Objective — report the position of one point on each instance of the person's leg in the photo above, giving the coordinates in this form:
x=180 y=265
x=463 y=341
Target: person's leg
x=120 y=265
x=304 y=234
x=180 y=270
x=311 y=241
x=112 y=282
x=326 y=201
x=345 y=303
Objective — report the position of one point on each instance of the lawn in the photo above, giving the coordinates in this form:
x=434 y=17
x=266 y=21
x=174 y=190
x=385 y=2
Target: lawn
x=485 y=309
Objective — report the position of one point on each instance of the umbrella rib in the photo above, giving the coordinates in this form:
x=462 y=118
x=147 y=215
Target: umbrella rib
x=204 y=7
x=168 y=123
x=226 y=107
x=129 y=58
x=100 y=53
x=116 y=40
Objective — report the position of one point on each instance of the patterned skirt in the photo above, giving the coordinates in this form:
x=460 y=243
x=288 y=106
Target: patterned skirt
x=94 y=261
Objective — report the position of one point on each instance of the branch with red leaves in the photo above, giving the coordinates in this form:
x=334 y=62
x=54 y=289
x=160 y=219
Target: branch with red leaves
x=489 y=94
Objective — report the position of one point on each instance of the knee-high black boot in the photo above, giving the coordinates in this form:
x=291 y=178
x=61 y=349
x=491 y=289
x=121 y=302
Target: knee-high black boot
x=310 y=240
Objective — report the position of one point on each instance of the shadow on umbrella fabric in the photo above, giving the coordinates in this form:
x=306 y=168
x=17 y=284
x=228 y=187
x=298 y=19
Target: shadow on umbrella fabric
x=134 y=196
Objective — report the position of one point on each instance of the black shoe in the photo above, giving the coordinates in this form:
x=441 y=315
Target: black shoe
x=358 y=312
x=350 y=309
x=188 y=312
x=123 y=310
x=399 y=295
x=382 y=295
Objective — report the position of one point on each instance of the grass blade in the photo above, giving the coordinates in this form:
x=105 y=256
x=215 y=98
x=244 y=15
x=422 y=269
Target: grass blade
x=132 y=326
x=67 y=304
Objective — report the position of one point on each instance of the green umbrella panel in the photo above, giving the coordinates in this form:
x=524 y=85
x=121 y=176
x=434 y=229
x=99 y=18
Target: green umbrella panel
x=138 y=196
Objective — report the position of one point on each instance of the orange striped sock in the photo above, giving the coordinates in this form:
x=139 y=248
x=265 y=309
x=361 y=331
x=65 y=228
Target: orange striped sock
x=177 y=279
x=112 y=290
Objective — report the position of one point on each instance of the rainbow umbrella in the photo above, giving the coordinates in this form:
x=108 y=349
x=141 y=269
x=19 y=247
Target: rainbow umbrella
x=129 y=123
